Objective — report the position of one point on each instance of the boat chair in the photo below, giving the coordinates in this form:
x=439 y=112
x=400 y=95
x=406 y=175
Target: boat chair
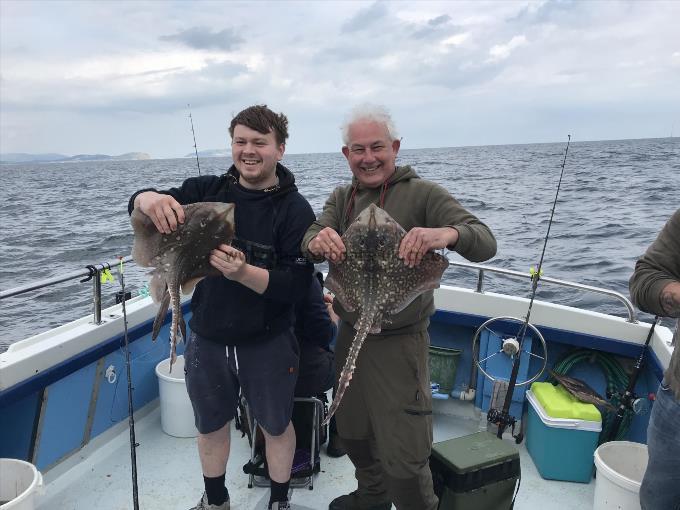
x=309 y=438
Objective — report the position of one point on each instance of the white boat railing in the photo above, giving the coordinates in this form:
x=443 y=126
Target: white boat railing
x=482 y=269
x=94 y=272
x=91 y=272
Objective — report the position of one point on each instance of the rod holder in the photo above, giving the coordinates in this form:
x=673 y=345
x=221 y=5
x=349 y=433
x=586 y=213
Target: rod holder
x=97 y=296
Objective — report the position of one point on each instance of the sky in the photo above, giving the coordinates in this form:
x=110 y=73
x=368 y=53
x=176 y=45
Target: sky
x=115 y=77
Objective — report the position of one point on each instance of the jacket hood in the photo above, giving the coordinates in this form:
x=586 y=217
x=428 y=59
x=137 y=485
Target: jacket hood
x=401 y=173
x=285 y=185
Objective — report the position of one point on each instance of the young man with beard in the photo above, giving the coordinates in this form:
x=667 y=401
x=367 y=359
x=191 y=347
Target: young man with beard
x=385 y=419
x=242 y=335
x=655 y=288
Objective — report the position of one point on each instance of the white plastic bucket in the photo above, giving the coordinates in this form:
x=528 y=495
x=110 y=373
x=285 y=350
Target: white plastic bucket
x=620 y=468
x=20 y=481
x=177 y=415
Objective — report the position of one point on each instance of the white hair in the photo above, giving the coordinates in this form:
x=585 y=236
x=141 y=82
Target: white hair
x=372 y=113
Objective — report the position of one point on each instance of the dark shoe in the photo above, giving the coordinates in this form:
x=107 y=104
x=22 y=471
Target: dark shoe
x=334 y=448
x=352 y=502
x=203 y=504
x=279 y=505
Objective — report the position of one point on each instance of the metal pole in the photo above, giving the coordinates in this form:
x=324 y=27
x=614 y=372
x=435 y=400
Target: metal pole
x=480 y=281
x=97 y=295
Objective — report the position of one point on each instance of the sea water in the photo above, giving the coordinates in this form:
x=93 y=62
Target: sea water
x=615 y=197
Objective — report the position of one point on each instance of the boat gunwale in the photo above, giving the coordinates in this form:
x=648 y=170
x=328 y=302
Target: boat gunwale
x=34 y=363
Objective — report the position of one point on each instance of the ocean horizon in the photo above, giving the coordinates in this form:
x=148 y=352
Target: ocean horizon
x=228 y=150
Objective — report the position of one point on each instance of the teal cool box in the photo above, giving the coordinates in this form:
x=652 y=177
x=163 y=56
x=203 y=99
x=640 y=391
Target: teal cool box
x=561 y=433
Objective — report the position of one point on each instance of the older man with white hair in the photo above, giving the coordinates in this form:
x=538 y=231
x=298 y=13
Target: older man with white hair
x=385 y=420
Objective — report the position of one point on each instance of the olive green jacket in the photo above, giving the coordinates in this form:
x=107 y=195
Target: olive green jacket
x=659 y=266
x=412 y=202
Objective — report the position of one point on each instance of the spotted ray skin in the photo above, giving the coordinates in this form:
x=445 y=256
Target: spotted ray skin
x=180 y=259
x=375 y=282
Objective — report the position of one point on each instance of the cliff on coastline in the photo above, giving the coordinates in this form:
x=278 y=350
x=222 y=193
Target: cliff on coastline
x=20 y=157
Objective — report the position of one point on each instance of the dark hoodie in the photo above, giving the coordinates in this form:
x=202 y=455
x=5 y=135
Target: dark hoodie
x=269 y=227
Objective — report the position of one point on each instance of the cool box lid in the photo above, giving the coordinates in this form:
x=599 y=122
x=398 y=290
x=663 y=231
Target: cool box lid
x=557 y=408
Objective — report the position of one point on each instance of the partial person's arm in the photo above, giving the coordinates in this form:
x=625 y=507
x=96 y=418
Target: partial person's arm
x=328 y=300
x=165 y=207
x=313 y=323
x=164 y=210
x=419 y=240
x=291 y=278
x=286 y=282
x=233 y=266
x=448 y=225
x=322 y=241
x=655 y=284
x=670 y=299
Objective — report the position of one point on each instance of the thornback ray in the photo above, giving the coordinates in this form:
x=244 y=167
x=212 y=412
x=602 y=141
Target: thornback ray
x=180 y=259
x=373 y=281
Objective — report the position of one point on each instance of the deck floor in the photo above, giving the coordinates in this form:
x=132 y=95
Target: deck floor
x=169 y=473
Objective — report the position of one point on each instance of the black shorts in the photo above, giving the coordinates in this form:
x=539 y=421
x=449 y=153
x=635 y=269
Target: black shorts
x=265 y=371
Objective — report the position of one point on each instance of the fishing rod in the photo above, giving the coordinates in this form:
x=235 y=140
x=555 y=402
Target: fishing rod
x=131 y=417
x=503 y=418
x=629 y=396
x=194 y=135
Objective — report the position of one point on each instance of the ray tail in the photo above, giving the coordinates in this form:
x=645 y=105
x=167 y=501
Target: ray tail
x=364 y=325
x=174 y=302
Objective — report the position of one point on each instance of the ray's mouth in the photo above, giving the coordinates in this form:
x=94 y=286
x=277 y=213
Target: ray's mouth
x=251 y=162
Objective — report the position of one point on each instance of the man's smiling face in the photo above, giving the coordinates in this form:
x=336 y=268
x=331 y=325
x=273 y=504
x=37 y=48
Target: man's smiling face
x=255 y=156
x=370 y=152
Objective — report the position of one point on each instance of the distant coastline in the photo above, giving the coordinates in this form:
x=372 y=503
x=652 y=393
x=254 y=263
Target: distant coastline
x=211 y=153
x=20 y=157
x=226 y=153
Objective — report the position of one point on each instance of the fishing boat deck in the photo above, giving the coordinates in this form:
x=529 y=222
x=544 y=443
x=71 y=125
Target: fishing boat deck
x=99 y=475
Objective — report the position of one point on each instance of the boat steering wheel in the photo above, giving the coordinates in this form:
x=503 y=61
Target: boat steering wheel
x=510 y=346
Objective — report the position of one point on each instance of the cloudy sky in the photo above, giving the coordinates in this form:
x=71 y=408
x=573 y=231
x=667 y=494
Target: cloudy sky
x=115 y=77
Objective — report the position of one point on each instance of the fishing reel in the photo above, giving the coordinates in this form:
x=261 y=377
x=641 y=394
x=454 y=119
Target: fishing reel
x=510 y=346
x=502 y=419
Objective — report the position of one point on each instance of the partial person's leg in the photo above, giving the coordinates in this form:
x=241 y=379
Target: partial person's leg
x=334 y=447
x=660 y=488
x=371 y=493
x=401 y=414
x=213 y=449
x=213 y=390
x=280 y=451
x=356 y=433
x=268 y=373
